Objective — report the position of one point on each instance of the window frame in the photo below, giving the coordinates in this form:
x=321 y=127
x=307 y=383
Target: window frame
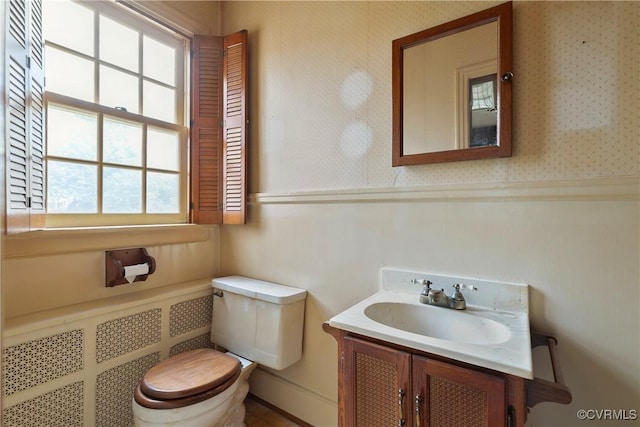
x=144 y=27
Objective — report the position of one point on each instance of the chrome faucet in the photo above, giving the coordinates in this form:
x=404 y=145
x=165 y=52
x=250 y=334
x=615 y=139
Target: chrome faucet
x=438 y=297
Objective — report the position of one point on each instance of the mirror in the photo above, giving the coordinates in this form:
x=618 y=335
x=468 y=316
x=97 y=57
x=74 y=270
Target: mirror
x=452 y=90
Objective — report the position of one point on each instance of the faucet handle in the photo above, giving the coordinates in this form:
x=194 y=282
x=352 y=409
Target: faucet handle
x=463 y=286
x=427 y=284
x=424 y=294
x=424 y=282
x=457 y=295
x=457 y=300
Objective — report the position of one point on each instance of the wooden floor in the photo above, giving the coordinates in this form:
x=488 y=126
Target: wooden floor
x=259 y=415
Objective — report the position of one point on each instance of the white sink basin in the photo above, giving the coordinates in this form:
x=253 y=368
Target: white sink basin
x=438 y=322
x=493 y=332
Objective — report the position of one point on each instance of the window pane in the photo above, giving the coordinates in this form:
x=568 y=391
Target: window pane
x=71 y=188
x=163 y=191
x=118 y=89
x=69 y=75
x=159 y=102
x=159 y=61
x=118 y=44
x=163 y=149
x=69 y=24
x=122 y=142
x=99 y=161
x=122 y=190
x=71 y=133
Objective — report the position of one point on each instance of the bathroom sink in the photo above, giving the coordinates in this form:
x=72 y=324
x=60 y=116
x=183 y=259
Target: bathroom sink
x=436 y=322
x=493 y=332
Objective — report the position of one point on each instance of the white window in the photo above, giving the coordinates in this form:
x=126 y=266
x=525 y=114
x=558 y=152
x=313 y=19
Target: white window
x=116 y=117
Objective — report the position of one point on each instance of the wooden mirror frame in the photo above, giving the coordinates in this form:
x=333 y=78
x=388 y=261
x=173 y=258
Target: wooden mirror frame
x=501 y=14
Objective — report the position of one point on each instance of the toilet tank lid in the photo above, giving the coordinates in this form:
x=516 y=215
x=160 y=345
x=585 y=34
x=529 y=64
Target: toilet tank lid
x=259 y=289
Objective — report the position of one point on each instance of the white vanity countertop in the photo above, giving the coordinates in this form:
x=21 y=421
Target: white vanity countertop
x=505 y=303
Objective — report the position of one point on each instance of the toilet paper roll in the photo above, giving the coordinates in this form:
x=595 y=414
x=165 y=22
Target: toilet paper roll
x=131 y=271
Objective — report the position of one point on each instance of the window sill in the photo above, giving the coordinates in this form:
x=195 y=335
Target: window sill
x=67 y=240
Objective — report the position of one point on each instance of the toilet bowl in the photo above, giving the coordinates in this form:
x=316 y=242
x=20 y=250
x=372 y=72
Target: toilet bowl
x=207 y=388
x=201 y=388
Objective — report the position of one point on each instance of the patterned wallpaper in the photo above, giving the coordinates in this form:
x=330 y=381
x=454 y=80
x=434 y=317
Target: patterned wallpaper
x=584 y=122
x=321 y=92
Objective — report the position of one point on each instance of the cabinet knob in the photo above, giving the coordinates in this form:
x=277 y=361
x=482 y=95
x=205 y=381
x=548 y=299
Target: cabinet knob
x=418 y=403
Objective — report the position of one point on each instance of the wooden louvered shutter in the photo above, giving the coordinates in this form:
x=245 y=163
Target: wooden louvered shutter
x=218 y=129
x=25 y=149
x=234 y=133
x=206 y=136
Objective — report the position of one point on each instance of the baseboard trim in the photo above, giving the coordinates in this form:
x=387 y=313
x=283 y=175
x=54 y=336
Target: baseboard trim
x=291 y=399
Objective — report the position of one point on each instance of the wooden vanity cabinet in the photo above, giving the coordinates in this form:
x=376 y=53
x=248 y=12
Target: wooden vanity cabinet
x=382 y=384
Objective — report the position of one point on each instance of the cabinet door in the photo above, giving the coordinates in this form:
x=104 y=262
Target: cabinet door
x=376 y=383
x=446 y=395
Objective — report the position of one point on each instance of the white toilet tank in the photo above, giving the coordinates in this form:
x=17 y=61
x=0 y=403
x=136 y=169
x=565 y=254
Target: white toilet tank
x=258 y=320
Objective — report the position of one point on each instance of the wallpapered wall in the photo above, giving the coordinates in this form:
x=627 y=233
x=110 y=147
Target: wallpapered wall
x=328 y=210
x=321 y=118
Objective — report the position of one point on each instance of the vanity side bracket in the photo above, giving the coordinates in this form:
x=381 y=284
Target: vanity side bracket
x=540 y=390
x=339 y=336
x=117 y=260
x=517 y=403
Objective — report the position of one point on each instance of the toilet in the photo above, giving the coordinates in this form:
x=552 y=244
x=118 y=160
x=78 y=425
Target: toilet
x=257 y=322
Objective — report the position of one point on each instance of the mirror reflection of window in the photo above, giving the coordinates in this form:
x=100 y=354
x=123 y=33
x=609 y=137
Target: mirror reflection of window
x=483 y=111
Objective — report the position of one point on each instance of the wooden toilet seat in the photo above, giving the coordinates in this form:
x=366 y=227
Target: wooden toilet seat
x=187 y=378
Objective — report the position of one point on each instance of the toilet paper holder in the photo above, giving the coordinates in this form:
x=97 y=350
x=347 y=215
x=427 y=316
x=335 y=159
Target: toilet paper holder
x=117 y=260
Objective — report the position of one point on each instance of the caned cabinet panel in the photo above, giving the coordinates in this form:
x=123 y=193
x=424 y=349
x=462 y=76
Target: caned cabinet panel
x=452 y=396
x=386 y=387
x=377 y=385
